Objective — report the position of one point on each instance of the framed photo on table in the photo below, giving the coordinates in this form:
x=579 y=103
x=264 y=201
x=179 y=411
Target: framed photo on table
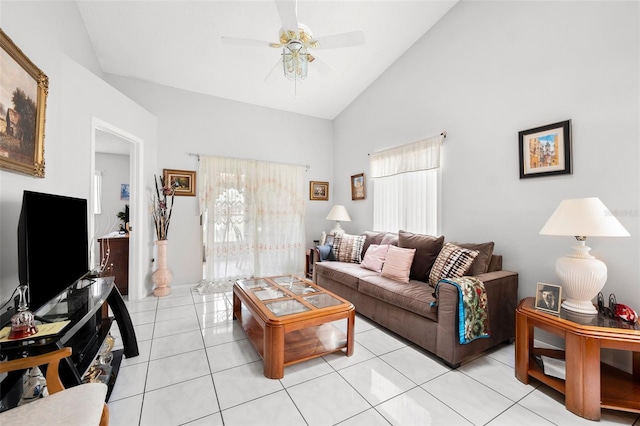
x=548 y=298
x=184 y=181
x=358 y=190
x=546 y=150
x=318 y=190
x=24 y=97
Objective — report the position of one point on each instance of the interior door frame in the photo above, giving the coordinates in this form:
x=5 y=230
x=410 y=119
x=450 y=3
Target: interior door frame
x=136 y=205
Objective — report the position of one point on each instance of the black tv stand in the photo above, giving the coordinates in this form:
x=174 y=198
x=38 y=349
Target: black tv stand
x=86 y=305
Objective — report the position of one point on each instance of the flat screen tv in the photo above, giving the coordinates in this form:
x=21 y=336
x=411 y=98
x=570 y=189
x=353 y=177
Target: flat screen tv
x=53 y=244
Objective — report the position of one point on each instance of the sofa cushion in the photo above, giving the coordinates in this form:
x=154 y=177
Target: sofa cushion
x=414 y=296
x=371 y=237
x=390 y=239
x=347 y=248
x=452 y=262
x=374 y=257
x=397 y=265
x=427 y=249
x=345 y=273
x=481 y=263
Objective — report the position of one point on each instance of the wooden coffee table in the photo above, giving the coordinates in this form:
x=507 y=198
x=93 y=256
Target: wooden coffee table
x=287 y=318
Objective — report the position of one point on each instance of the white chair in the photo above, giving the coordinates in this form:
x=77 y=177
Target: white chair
x=79 y=405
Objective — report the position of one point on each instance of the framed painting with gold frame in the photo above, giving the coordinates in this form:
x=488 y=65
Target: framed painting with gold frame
x=23 y=93
x=184 y=181
x=318 y=190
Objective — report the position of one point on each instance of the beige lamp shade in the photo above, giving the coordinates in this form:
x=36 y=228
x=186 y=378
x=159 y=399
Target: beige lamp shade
x=583 y=217
x=339 y=214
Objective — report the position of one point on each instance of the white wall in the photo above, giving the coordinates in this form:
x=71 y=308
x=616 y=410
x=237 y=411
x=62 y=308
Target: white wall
x=47 y=32
x=115 y=172
x=194 y=123
x=486 y=71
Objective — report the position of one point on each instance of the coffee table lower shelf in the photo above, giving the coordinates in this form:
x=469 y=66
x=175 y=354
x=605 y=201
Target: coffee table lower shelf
x=299 y=345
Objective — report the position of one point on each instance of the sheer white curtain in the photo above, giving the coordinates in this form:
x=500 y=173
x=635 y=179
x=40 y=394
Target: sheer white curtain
x=253 y=219
x=405 y=187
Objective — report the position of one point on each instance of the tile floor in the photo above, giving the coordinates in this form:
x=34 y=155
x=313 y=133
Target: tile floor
x=196 y=367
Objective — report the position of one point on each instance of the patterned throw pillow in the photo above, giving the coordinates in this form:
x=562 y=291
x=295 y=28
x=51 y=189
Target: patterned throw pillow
x=398 y=264
x=452 y=262
x=347 y=248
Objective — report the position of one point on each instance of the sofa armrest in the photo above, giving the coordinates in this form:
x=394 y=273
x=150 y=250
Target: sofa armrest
x=502 y=295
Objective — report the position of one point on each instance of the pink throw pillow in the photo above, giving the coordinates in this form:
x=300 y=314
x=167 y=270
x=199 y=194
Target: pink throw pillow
x=374 y=257
x=398 y=263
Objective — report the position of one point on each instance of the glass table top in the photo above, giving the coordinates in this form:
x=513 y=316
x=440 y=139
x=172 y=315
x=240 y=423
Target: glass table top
x=286 y=307
x=288 y=294
x=322 y=300
x=77 y=303
x=597 y=320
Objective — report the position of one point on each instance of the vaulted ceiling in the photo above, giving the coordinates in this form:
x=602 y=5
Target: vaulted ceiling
x=178 y=44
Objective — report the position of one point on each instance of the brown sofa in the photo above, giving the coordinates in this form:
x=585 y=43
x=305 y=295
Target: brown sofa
x=405 y=308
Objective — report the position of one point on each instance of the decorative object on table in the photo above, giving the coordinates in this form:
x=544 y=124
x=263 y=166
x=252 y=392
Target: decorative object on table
x=582 y=275
x=100 y=370
x=548 y=298
x=318 y=190
x=124 y=217
x=358 y=190
x=22 y=322
x=124 y=191
x=34 y=386
x=22 y=142
x=616 y=310
x=182 y=181
x=545 y=150
x=162 y=209
x=339 y=214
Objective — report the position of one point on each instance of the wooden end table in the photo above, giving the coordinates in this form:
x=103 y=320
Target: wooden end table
x=590 y=385
x=288 y=320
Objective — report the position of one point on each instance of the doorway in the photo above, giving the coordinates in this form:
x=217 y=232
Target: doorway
x=119 y=149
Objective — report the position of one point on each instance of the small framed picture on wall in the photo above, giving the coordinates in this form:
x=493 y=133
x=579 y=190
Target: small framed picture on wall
x=358 y=190
x=545 y=150
x=124 y=191
x=183 y=180
x=318 y=190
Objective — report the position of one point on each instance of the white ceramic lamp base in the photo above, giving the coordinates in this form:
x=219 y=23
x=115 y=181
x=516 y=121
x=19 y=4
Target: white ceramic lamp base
x=583 y=277
x=337 y=229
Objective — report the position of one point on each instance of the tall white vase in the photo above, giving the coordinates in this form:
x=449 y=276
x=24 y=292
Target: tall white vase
x=162 y=276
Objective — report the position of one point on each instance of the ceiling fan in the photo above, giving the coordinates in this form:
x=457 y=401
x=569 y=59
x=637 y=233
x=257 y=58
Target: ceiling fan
x=296 y=40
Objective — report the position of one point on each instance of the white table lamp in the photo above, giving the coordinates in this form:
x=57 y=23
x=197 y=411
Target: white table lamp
x=339 y=214
x=582 y=275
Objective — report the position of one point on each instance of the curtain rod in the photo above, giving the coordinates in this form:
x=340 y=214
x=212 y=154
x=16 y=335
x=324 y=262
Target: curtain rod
x=306 y=166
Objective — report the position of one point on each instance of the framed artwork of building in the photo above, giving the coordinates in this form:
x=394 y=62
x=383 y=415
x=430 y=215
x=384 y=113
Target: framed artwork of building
x=545 y=150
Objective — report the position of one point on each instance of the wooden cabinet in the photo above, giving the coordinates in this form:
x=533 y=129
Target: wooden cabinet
x=114 y=252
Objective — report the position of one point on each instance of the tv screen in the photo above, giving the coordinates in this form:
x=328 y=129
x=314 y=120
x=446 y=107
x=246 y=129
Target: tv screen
x=53 y=244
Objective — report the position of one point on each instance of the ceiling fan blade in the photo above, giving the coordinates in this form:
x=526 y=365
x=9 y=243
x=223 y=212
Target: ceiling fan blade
x=288 y=15
x=353 y=38
x=323 y=67
x=248 y=42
